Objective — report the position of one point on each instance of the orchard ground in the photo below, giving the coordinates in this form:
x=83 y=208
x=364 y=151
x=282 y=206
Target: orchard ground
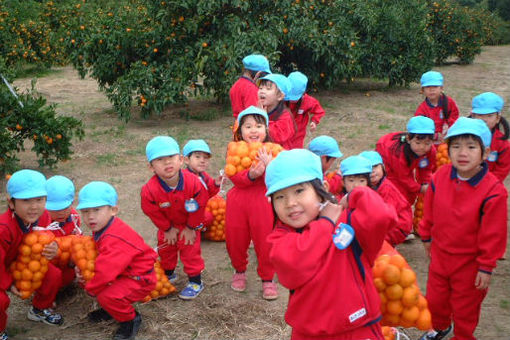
x=356 y=115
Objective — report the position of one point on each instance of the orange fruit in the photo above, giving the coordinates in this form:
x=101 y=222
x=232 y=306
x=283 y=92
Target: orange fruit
x=91 y=255
x=16 y=274
x=34 y=266
x=25 y=250
x=44 y=269
x=378 y=268
x=394 y=307
x=25 y=294
x=424 y=321
x=30 y=239
x=394 y=292
x=37 y=248
x=43 y=261
x=246 y=162
x=25 y=285
x=82 y=263
x=398 y=260
x=154 y=294
x=391 y=274
x=80 y=254
x=379 y=284
x=20 y=266
x=410 y=296
x=26 y=275
x=230 y=170
x=65 y=243
x=159 y=285
x=24 y=259
x=164 y=291
x=410 y=314
x=255 y=146
x=38 y=276
x=422 y=302
x=407 y=277
x=77 y=247
x=46 y=237
x=391 y=319
x=213 y=204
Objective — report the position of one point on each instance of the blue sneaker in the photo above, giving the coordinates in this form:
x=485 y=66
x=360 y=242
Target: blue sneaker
x=191 y=291
x=3 y=336
x=173 y=277
x=48 y=316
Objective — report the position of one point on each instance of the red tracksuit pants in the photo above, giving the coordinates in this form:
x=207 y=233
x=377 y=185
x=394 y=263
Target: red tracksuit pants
x=191 y=255
x=117 y=298
x=43 y=297
x=372 y=332
x=451 y=293
x=249 y=216
x=68 y=276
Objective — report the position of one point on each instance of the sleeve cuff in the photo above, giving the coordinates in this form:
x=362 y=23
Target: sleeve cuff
x=329 y=220
x=427 y=240
x=485 y=271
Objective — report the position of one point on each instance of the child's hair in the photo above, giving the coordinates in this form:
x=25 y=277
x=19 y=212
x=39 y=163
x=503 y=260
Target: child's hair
x=366 y=176
x=192 y=152
x=401 y=144
x=238 y=136
x=450 y=140
x=253 y=73
x=506 y=129
x=328 y=158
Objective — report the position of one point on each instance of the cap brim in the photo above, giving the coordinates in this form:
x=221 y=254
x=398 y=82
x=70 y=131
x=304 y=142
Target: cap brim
x=162 y=154
x=431 y=84
x=294 y=97
x=422 y=132
x=484 y=111
x=27 y=194
x=60 y=205
x=288 y=182
x=92 y=204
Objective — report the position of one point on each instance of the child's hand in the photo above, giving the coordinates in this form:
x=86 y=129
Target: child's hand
x=50 y=250
x=171 y=236
x=15 y=291
x=331 y=211
x=79 y=277
x=264 y=156
x=313 y=126
x=344 y=202
x=257 y=170
x=426 y=245
x=189 y=236
x=219 y=179
x=482 y=280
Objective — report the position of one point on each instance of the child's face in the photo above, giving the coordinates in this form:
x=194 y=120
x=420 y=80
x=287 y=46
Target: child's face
x=60 y=215
x=326 y=164
x=167 y=167
x=466 y=156
x=420 y=146
x=492 y=119
x=353 y=181
x=297 y=205
x=377 y=174
x=252 y=131
x=97 y=218
x=198 y=161
x=269 y=95
x=433 y=92
x=30 y=209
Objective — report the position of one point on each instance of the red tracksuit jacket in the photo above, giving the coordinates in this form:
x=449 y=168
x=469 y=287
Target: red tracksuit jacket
x=436 y=113
x=332 y=290
x=466 y=217
x=499 y=158
x=336 y=183
x=392 y=196
x=308 y=106
x=282 y=131
x=243 y=94
x=207 y=181
x=404 y=177
x=122 y=252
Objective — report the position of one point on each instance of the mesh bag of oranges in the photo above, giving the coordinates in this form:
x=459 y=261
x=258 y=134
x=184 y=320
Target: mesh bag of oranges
x=216 y=231
x=30 y=266
x=418 y=212
x=83 y=254
x=402 y=303
x=442 y=156
x=241 y=155
x=163 y=286
x=64 y=251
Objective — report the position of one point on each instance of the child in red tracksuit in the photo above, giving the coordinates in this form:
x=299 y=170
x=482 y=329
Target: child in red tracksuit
x=409 y=157
x=323 y=252
x=26 y=191
x=464 y=231
x=175 y=201
x=392 y=196
x=488 y=106
x=248 y=213
x=124 y=267
x=272 y=91
x=437 y=106
x=302 y=107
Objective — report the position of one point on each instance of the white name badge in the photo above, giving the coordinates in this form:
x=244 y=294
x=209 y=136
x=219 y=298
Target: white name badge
x=191 y=205
x=343 y=236
x=493 y=156
x=358 y=314
x=424 y=163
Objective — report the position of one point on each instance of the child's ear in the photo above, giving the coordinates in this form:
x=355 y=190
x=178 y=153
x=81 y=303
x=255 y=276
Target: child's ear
x=486 y=153
x=10 y=203
x=186 y=160
x=115 y=210
x=280 y=96
x=150 y=167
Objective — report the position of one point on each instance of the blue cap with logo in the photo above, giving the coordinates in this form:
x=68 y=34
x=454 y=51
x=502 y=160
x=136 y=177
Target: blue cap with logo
x=280 y=81
x=292 y=167
x=431 y=78
x=355 y=165
x=60 y=193
x=161 y=146
x=298 y=82
x=256 y=62
x=194 y=145
x=97 y=194
x=325 y=146
x=470 y=126
x=25 y=184
x=486 y=103
x=373 y=156
x=421 y=125
x=253 y=110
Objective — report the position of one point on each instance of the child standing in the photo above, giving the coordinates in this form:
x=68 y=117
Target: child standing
x=487 y=107
x=175 y=201
x=356 y=172
x=302 y=107
x=410 y=157
x=272 y=91
x=249 y=215
x=439 y=107
x=325 y=264
x=26 y=190
x=327 y=149
x=124 y=267
x=464 y=241
x=244 y=91
x=392 y=196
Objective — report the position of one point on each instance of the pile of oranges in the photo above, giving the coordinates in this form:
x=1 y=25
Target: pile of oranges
x=402 y=303
x=64 y=251
x=418 y=212
x=30 y=266
x=163 y=286
x=216 y=206
x=442 y=156
x=83 y=254
x=241 y=155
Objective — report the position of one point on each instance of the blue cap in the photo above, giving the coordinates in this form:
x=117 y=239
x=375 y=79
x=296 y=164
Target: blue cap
x=431 y=78
x=97 y=194
x=373 y=156
x=421 y=125
x=470 y=126
x=298 y=82
x=60 y=193
x=195 y=145
x=325 y=146
x=281 y=82
x=292 y=167
x=253 y=110
x=487 y=103
x=256 y=62
x=161 y=146
x=25 y=184
x=355 y=165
